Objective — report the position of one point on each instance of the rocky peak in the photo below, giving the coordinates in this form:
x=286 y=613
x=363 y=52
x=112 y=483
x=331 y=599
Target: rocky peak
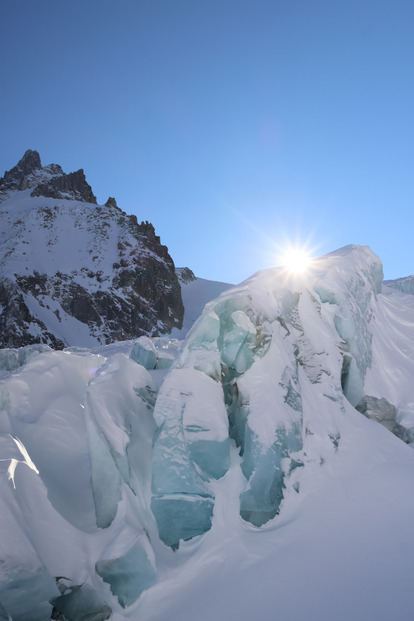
x=111 y=202
x=185 y=275
x=28 y=164
x=49 y=181
x=145 y=228
x=53 y=169
x=14 y=179
x=73 y=186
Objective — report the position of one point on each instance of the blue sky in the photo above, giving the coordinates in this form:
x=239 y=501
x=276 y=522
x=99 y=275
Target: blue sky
x=232 y=125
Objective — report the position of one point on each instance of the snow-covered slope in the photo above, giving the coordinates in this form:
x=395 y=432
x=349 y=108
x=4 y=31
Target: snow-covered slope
x=242 y=481
x=406 y=284
x=196 y=292
x=76 y=273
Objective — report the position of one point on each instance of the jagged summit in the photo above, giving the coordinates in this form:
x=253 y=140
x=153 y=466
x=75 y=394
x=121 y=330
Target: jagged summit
x=28 y=164
x=185 y=275
x=49 y=181
x=24 y=171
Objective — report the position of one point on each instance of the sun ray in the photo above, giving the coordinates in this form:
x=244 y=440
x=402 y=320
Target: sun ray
x=296 y=260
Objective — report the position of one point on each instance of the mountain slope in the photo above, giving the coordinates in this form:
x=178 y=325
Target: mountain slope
x=196 y=293
x=76 y=273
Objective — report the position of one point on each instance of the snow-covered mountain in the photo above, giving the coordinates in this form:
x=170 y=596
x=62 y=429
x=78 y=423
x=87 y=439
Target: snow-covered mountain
x=261 y=468
x=73 y=272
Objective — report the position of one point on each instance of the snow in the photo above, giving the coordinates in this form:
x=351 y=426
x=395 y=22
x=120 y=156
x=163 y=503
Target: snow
x=50 y=235
x=233 y=477
x=341 y=550
x=196 y=294
x=67 y=328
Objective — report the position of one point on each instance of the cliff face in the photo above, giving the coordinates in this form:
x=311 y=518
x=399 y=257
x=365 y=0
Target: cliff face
x=76 y=273
x=72 y=186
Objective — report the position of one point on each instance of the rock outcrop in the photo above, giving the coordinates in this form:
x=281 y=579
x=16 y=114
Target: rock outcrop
x=29 y=163
x=111 y=202
x=24 y=172
x=72 y=186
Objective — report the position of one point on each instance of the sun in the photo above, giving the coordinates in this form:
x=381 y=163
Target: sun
x=295 y=260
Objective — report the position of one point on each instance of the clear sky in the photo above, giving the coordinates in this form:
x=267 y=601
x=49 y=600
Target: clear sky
x=231 y=125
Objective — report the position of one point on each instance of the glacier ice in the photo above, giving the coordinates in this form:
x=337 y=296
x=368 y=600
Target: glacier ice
x=128 y=572
x=27 y=537
x=313 y=330
x=191 y=445
x=144 y=353
x=118 y=406
x=105 y=477
x=352 y=380
x=182 y=516
x=237 y=342
x=44 y=409
x=156 y=353
x=11 y=359
x=76 y=437
x=26 y=594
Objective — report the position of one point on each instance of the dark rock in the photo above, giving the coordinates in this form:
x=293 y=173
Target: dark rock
x=79 y=603
x=185 y=275
x=144 y=298
x=28 y=164
x=78 y=303
x=147 y=229
x=14 y=179
x=16 y=320
x=111 y=202
x=53 y=169
x=379 y=410
x=384 y=412
x=73 y=186
x=406 y=434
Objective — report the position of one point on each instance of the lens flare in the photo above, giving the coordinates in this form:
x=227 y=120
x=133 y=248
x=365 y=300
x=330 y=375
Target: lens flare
x=295 y=260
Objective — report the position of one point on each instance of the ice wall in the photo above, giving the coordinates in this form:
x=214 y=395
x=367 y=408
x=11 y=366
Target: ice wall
x=76 y=434
x=242 y=376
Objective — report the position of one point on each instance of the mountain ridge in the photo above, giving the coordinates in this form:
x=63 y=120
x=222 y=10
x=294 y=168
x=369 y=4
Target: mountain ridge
x=74 y=272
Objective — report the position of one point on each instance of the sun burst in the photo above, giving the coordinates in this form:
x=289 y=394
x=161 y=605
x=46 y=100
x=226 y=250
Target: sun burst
x=295 y=260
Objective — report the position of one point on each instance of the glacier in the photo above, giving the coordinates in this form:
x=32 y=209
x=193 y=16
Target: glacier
x=268 y=452
x=315 y=332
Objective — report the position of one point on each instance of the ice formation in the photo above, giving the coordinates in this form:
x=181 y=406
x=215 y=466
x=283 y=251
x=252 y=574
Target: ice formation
x=310 y=330
x=76 y=455
x=109 y=458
